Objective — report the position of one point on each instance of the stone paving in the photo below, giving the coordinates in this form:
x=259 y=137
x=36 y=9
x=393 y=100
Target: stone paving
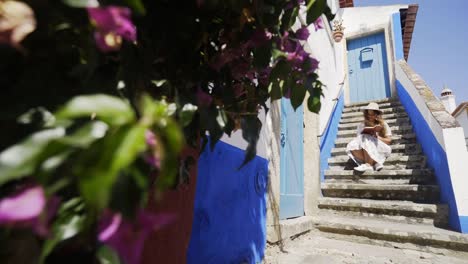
x=323 y=248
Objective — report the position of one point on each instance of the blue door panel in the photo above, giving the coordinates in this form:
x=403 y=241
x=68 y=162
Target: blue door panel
x=368 y=69
x=292 y=161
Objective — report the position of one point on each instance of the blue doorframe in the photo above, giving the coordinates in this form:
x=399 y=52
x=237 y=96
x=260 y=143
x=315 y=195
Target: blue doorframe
x=292 y=161
x=368 y=68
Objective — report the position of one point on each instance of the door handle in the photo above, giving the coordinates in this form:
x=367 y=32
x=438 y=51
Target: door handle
x=282 y=140
x=350 y=71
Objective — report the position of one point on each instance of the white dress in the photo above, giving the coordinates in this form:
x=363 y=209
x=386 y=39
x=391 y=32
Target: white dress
x=377 y=150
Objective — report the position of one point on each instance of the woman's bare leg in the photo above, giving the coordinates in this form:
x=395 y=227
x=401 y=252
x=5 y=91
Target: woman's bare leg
x=361 y=154
x=367 y=159
x=358 y=154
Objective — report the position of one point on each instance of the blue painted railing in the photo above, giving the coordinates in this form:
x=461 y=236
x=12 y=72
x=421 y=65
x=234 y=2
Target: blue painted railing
x=436 y=156
x=327 y=141
x=229 y=224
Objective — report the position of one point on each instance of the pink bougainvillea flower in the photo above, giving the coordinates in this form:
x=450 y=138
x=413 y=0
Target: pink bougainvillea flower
x=293 y=3
x=16 y=22
x=318 y=23
x=259 y=38
x=302 y=33
x=264 y=76
x=286 y=44
x=150 y=138
x=128 y=238
x=153 y=158
x=29 y=209
x=113 y=24
x=203 y=98
x=225 y=57
x=298 y=57
x=41 y=224
x=25 y=205
x=241 y=69
x=313 y=64
x=238 y=90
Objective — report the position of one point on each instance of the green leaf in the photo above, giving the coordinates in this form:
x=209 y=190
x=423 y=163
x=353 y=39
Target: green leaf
x=276 y=53
x=155 y=111
x=21 y=159
x=186 y=114
x=275 y=90
x=159 y=83
x=107 y=255
x=221 y=118
x=315 y=10
x=86 y=135
x=313 y=103
x=298 y=93
x=288 y=19
x=109 y=109
x=100 y=167
x=126 y=195
x=262 y=56
x=67 y=225
x=173 y=134
x=38 y=115
x=81 y=3
x=281 y=70
x=251 y=127
x=137 y=6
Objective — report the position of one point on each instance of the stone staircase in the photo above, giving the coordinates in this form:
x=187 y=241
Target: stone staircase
x=400 y=203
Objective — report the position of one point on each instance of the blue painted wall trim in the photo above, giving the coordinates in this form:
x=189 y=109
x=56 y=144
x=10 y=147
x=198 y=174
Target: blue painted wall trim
x=397 y=37
x=327 y=141
x=464 y=223
x=436 y=156
x=229 y=224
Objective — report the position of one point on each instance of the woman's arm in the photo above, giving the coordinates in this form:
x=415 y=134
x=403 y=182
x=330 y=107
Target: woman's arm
x=387 y=140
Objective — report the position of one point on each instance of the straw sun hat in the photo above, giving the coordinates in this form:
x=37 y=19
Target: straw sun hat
x=372 y=106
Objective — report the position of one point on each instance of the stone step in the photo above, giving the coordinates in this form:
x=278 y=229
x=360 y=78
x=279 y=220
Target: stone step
x=419 y=179
x=391 y=181
x=383 y=217
x=359 y=111
x=396 y=148
x=396 y=130
x=382 y=173
x=419 y=234
x=384 y=179
x=379 y=102
x=409 y=192
x=409 y=138
x=401 y=211
x=390 y=122
x=408 y=176
x=398 y=166
x=382 y=106
x=395 y=158
x=346 y=120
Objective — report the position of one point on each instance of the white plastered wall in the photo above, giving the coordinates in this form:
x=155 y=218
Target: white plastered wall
x=462 y=118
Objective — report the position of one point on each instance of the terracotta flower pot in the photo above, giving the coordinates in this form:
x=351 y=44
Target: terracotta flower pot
x=337 y=36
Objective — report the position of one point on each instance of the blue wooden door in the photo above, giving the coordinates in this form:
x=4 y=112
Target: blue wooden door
x=368 y=68
x=292 y=161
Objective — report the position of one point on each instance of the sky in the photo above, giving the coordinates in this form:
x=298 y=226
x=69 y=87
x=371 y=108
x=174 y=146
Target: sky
x=439 y=48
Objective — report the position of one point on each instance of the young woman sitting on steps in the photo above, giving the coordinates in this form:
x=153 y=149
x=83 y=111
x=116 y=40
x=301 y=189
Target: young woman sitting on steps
x=370 y=148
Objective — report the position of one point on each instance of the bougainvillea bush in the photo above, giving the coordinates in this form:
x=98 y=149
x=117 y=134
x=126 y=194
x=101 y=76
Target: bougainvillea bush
x=99 y=98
